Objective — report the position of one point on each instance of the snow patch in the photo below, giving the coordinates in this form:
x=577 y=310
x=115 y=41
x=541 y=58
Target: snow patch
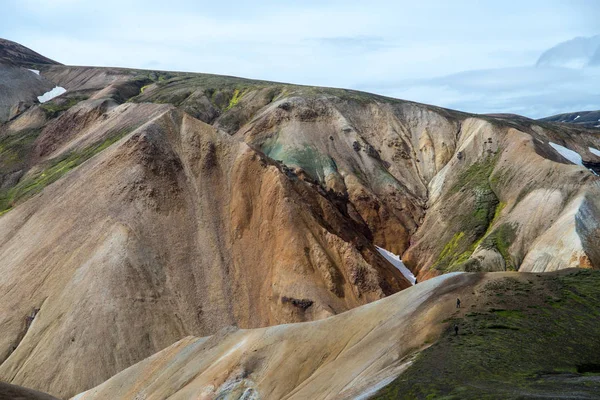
x=57 y=91
x=35 y=71
x=577 y=117
x=397 y=262
x=570 y=155
x=594 y=151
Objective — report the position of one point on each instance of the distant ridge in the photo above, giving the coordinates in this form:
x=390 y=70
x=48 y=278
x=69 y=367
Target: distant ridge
x=588 y=119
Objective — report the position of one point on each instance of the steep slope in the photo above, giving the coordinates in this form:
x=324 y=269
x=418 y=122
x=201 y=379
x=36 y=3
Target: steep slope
x=501 y=201
x=19 y=89
x=175 y=230
x=20 y=86
x=14 y=53
x=401 y=164
x=141 y=207
x=355 y=354
x=340 y=357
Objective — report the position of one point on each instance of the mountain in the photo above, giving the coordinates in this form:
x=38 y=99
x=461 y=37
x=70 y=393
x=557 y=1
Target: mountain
x=356 y=354
x=575 y=53
x=16 y=54
x=587 y=119
x=143 y=207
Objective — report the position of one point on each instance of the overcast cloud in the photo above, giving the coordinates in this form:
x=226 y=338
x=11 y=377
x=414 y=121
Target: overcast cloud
x=460 y=54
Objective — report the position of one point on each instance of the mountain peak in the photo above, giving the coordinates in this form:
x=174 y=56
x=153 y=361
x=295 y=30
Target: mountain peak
x=17 y=54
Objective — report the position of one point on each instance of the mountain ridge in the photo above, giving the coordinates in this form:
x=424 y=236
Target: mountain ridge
x=17 y=54
x=141 y=207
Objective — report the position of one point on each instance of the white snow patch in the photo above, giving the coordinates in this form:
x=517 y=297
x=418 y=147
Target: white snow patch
x=577 y=117
x=397 y=262
x=594 y=151
x=35 y=71
x=57 y=91
x=570 y=155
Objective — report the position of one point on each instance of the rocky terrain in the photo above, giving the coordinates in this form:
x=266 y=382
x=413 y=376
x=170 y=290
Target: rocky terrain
x=142 y=210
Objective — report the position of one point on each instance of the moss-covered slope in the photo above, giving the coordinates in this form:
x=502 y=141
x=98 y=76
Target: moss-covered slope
x=528 y=338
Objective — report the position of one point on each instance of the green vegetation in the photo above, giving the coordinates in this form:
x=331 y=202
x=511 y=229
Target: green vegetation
x=527 y=337
x=53 y=170
x=143 y=88
x=458 y=250
x=54 y=108
x=171 y=82
x=501 y=239
x=15 y=148
x=451 y=254
x=454 y=255
x=474 y=223
x=234 y=100
x=476 y=176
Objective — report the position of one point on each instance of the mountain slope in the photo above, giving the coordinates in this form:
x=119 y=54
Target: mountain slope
x=141 y=207
x=356 y=354
x=523 y=337
x=588 y=119
x=341 y=357
x=184 y=230
x=19 y=89
x=16 y=54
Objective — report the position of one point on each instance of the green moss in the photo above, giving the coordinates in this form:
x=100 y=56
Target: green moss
x=501 y=239
x=52 y=171
x=530 y=348
x=476 y=175
x=473 y=223
x=509 y=313
x=14 y=150
x=450 y=254
x=460 y=248
x=54 y=108
x=234 y=100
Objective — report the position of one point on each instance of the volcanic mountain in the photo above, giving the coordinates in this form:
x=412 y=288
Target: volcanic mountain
x=147 y=209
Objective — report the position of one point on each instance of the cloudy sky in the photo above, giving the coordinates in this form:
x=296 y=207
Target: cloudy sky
x=477 y=56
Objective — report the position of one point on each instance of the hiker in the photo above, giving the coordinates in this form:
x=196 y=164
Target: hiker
x=457 y=303
x=455 y=329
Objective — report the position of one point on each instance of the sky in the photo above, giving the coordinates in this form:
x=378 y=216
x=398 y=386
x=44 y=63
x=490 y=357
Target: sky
x=476 y=56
